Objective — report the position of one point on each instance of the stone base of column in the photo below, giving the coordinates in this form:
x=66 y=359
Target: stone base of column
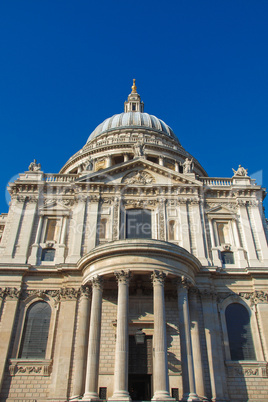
x=162 y=396
x=91 y=396
x=120 y=396
x=191 y=397
x=220 y=400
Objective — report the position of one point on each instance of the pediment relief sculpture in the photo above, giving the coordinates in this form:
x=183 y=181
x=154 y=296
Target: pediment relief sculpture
x=138 y=177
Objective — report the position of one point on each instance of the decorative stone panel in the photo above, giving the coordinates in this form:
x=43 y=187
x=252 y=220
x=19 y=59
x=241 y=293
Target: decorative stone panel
x=247 y=369
x=30 y=367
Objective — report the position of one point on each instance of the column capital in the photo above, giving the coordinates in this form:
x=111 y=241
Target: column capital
x=158 y=277
x=123 y=276
x=97 y=282
x=184 y=282
x=85 y=291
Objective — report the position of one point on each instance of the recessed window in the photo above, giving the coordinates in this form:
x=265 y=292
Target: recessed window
x=35 y=333
x=52 y=230
x=133 y=107
x=171 y=230
x=239 y=332
x=103 y=229
x=223 y=233
x=138 y=224
x=48 y=254
x=227 y=257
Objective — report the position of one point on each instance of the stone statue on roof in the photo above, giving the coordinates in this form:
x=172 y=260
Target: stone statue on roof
x=34 y=167
x=187 y=165
x=240 y=171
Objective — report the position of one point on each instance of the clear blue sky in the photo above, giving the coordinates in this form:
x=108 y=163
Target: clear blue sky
x=201 y=66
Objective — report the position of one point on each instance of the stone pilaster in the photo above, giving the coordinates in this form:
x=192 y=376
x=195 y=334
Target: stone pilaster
x=121 y=354
x=93 y=356
x=64 y=345
x=161 y=382
x=10 y=297
x=196 y=345
x=188 y=377
x=81 y=345
x=214 y=349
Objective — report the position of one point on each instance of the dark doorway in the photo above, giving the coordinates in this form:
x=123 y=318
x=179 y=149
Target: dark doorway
x=140 y=387
x=140 y=369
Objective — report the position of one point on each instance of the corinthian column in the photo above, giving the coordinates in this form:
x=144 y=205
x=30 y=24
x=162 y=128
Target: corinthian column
x=121 y=352
x=93 y=356
x=161 y=383
x=189 y=392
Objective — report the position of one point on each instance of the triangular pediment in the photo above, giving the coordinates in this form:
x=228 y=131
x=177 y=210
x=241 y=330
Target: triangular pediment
x=152 y=174
x=221 y=210
x=53 y=206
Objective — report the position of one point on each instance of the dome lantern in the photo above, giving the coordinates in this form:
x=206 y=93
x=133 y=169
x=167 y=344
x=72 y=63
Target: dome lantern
x=133 y=103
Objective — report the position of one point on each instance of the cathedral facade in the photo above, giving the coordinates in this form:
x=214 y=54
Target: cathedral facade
x=132 y=275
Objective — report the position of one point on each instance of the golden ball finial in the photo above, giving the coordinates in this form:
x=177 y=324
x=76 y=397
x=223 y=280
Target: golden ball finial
x=134 y=88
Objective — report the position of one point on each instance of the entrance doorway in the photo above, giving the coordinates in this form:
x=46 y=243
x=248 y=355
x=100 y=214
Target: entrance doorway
x=140 y=369
x=140 y=387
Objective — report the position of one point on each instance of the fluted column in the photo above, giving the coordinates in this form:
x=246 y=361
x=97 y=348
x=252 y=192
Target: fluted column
x=161 y=383
x=82 y=339
x=121 y=352
x=93 y=356
x=189 y=391
x=196 y=346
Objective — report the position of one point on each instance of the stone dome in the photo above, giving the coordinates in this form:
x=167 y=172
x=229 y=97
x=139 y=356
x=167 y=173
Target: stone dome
x=132 y=119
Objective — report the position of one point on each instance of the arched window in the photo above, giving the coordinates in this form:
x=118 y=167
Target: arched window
x=239 y=332
x=35 y=332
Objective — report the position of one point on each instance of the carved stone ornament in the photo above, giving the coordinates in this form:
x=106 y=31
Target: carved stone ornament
x=69 y=293
x=158 y=277
x=116 y=219
x=20 y=367
x=85 y=291
x=254 y=369
x=161 y=217
x=123 y=276
x=10 y=293
x=97 y=282
x=138 y=177
x=255 y=297
x=240 y=171
x=184 y=282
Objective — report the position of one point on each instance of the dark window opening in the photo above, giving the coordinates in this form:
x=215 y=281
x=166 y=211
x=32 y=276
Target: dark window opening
x=35 y=333
x=138 y=224
x=152 y=159
x=48 y=254
x=133 y=107
x=239 y=332
x=103 y=393
x=118 y=159
x=227 y=257
x=175 y=393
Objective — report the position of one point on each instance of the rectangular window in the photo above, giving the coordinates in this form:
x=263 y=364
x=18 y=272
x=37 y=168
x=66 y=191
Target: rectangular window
x=223 y=230
x=52 y=230
x=138 y=224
